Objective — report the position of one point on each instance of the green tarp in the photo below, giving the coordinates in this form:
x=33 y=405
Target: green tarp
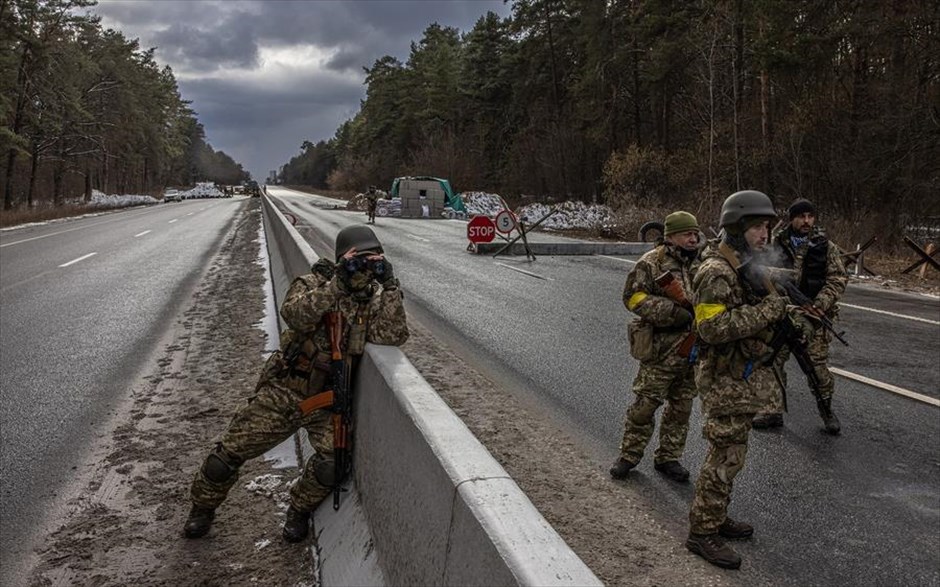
x=453 y=200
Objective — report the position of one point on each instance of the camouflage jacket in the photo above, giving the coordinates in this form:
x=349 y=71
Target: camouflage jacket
x=825 y=279
x=733 y=329
x=649 y=301
x=378 y=318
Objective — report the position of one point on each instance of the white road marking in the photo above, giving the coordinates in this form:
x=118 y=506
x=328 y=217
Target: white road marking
x=529 y=273
x=191 y=213
x=887 y=387
x=905 y=316
x=124 y=215
x=73 y=261
x=141 y=233
x=417 y=238
x=617 y=259
x=172 y=221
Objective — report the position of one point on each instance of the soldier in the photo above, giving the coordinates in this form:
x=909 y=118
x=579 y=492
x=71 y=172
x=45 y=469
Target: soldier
x=372 y=198
x=361 y=286
x=821 y=276
x=661 y=339
x=734 y=321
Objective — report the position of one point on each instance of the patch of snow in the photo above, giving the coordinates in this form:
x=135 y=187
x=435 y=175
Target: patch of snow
x=483 y=203
x=571 y=214
x=204 y=189
x=264 y=484
x=262 y=543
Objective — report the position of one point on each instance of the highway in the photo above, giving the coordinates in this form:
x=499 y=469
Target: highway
x=859 y=509
x=83 y=305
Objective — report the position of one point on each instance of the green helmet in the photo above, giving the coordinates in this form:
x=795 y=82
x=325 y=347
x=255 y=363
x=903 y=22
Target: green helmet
x=358 y=236
x=746 y=203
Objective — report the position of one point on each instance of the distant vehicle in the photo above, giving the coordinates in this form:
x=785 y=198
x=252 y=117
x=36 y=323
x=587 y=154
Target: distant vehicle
x=251 y=186
x=172 y=195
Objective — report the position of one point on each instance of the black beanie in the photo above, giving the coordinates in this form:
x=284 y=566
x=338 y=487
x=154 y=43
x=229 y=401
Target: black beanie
x=801 y=206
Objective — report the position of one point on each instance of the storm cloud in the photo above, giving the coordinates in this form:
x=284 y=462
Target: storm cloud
x=265 y=75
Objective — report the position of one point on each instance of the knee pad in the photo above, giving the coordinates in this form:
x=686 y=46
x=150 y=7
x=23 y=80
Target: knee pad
x=732 y=462
x=643 y=409
x=324 y=470
x=220 y=467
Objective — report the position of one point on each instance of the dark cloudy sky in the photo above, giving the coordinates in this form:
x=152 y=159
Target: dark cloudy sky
x=265 y=75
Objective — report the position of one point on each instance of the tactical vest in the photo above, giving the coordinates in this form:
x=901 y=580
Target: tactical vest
x=814 y=262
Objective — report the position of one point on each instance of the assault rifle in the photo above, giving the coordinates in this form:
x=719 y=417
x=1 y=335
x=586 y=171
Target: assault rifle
x=342 y=403
x=787 y=334
x=761 y=279
x=673 y=288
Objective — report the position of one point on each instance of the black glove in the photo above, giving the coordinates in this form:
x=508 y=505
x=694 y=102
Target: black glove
x=325 y=268
x=681 y=317
x=382 y=269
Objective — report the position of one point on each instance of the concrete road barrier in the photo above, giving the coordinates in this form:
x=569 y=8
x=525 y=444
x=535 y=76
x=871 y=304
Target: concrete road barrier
x=439 y=509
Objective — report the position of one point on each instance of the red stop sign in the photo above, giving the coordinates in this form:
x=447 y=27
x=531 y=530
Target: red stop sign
x=481 y=229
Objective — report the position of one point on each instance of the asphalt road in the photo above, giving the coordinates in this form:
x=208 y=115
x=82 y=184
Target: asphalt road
x=859 y=509
x=83 y=304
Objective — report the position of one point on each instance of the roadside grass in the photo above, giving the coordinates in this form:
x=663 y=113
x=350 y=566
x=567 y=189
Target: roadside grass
x=18 y=216
x=24 y=216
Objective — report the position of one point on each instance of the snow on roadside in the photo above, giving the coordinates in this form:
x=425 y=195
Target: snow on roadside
x=204 y=189
x=570 y=214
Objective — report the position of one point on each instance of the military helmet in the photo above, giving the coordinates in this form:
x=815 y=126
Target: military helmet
x=359 y=236
x=745 y=203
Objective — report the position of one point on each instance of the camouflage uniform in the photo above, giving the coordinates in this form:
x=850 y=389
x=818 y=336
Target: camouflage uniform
x=272 y=414
x=830 y=283
x=665 y=375
x=734 y=327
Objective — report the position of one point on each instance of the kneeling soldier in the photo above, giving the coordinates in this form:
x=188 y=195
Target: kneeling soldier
x=361 y=287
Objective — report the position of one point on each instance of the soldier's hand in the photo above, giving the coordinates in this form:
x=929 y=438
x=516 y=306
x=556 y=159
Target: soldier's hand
x=324 y=268
x=803 y=324
x=381 y=268
x=681 y=317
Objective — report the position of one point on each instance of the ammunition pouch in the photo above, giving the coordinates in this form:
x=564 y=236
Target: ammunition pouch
x=640 y=334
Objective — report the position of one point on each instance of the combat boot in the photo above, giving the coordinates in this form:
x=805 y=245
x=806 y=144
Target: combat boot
x=674 y=470
x=765 y=421
x=621 y=467
x=199 y=522
x=714 y=549
x=296 y=525
x=735 y=530
x=829 y=419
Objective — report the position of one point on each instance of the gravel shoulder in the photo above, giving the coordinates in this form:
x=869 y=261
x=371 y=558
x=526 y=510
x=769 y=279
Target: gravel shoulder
x=130 y=498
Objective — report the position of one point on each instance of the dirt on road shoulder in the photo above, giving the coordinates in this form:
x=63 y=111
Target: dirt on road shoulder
x=125 y=526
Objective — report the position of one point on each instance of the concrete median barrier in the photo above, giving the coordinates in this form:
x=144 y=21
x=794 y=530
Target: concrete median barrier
x=429 y=505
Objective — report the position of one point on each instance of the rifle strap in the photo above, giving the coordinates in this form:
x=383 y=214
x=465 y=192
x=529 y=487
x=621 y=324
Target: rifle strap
x=324 y=399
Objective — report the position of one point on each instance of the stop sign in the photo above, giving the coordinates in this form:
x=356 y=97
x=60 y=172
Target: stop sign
x=481 y=229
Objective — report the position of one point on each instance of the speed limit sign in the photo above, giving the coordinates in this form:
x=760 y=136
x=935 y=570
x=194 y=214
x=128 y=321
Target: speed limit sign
x=505 y=221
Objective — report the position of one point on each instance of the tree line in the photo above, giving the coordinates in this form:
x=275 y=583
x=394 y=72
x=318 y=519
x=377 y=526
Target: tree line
x=660 y=103
x=85 y=108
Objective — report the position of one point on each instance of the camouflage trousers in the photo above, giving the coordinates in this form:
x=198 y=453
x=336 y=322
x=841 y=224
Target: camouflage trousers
x=818 y=349
x=673 y=383
x=727 y=448
x=270 y=417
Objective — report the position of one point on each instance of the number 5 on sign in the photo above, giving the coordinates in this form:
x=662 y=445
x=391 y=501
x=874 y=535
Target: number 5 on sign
x=505 y=221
